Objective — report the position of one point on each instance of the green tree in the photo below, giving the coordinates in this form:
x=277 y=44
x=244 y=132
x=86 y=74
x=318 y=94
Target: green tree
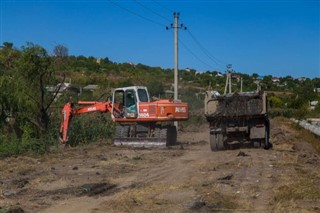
x=33 y=74
x=155 y=88
x=8 y=97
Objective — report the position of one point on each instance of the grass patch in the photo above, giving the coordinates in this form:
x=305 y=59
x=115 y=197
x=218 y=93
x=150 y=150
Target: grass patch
x=215 y=201
x=304 y=189
x=309 y=137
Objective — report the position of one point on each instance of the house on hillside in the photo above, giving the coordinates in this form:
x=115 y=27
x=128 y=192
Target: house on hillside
x=62 y=88
x=275 y=79
x=313 y=104
x=260 y=77
x=91 y=87
x=236 y=76
x=219 y=74
x=317 y=90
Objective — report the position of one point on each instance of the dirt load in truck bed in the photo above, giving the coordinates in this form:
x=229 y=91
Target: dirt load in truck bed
x=184 y=178
x=236 y=104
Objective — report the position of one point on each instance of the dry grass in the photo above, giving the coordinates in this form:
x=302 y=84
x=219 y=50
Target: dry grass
x=299 y=133
x=309 y=137
x=300 y=186
x=298 y=183
x=147 y=198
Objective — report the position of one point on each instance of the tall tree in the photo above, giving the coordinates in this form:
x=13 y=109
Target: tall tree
x=61 y=57
x=60 y=51
x=8 y=99
x=33 y=74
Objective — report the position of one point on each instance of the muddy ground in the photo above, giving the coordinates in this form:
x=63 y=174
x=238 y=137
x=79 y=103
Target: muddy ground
x=184 y=178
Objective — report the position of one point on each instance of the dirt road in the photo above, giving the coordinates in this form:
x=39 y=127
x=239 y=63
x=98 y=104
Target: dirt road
x=184 y=178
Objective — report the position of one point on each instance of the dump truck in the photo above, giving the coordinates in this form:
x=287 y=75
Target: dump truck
x=139 y=121
x=237 y=119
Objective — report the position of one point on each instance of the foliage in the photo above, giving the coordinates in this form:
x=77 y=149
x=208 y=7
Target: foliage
x=84 y=131
x=275 y=102
x=30 y=113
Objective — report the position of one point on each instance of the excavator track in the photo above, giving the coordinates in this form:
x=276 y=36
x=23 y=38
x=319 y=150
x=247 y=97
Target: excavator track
x=143 y=135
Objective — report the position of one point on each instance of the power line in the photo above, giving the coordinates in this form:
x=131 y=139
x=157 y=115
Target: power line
x=161 y=16
x=180 y=26
x=161 y=5
x=136 y=14
x=205 y=51
x=194 y=55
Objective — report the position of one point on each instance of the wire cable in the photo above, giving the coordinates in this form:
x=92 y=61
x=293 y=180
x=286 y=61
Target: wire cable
x=194 y=55
x=161 y=5
x=136 y=14
x=205 y=51
x=161 y=16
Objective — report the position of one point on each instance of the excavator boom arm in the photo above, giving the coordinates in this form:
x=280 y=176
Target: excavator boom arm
x=69 y=110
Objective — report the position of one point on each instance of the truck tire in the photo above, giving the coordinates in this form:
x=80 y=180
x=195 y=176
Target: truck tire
x=216 y=142
x=267 y=144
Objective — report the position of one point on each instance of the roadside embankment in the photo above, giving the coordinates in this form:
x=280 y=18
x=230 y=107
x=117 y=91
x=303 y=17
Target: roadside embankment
x=313 y=125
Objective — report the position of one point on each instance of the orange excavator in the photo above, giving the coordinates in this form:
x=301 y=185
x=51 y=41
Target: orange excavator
x=139 y=121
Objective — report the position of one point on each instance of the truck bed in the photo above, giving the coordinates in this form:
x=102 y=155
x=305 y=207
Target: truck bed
x=236 y=104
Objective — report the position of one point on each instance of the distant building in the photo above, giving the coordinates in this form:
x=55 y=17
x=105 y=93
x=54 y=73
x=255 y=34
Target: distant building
x=91 y=87
x=219 y=74
x=275 y=79
x=60 y=88
x=131 y=63
x=236 y=76
x=260 y=77
x=313 y=104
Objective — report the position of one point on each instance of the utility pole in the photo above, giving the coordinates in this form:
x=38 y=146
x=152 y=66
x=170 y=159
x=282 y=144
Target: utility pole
x=229 y=76
x=176 y=27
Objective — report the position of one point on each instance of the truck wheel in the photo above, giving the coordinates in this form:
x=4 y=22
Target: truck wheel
x=216 y=142
x=267 y=144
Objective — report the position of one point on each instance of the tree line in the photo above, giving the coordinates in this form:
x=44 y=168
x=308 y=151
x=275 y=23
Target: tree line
x=30 y=114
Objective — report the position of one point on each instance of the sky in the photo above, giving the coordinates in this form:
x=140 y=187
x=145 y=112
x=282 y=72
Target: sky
x=267 y=37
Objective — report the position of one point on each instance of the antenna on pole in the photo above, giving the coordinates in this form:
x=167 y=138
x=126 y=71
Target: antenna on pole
x=176 y=27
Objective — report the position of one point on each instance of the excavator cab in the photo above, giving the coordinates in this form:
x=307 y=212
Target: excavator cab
x=127 y=99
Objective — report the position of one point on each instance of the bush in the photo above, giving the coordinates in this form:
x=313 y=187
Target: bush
x=90 y=128
x=14 y=146
x=287 y=113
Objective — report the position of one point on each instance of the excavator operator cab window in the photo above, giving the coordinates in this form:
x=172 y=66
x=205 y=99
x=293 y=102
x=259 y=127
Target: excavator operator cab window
x=130 y=104
x=143 y=95
x=118 y=103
